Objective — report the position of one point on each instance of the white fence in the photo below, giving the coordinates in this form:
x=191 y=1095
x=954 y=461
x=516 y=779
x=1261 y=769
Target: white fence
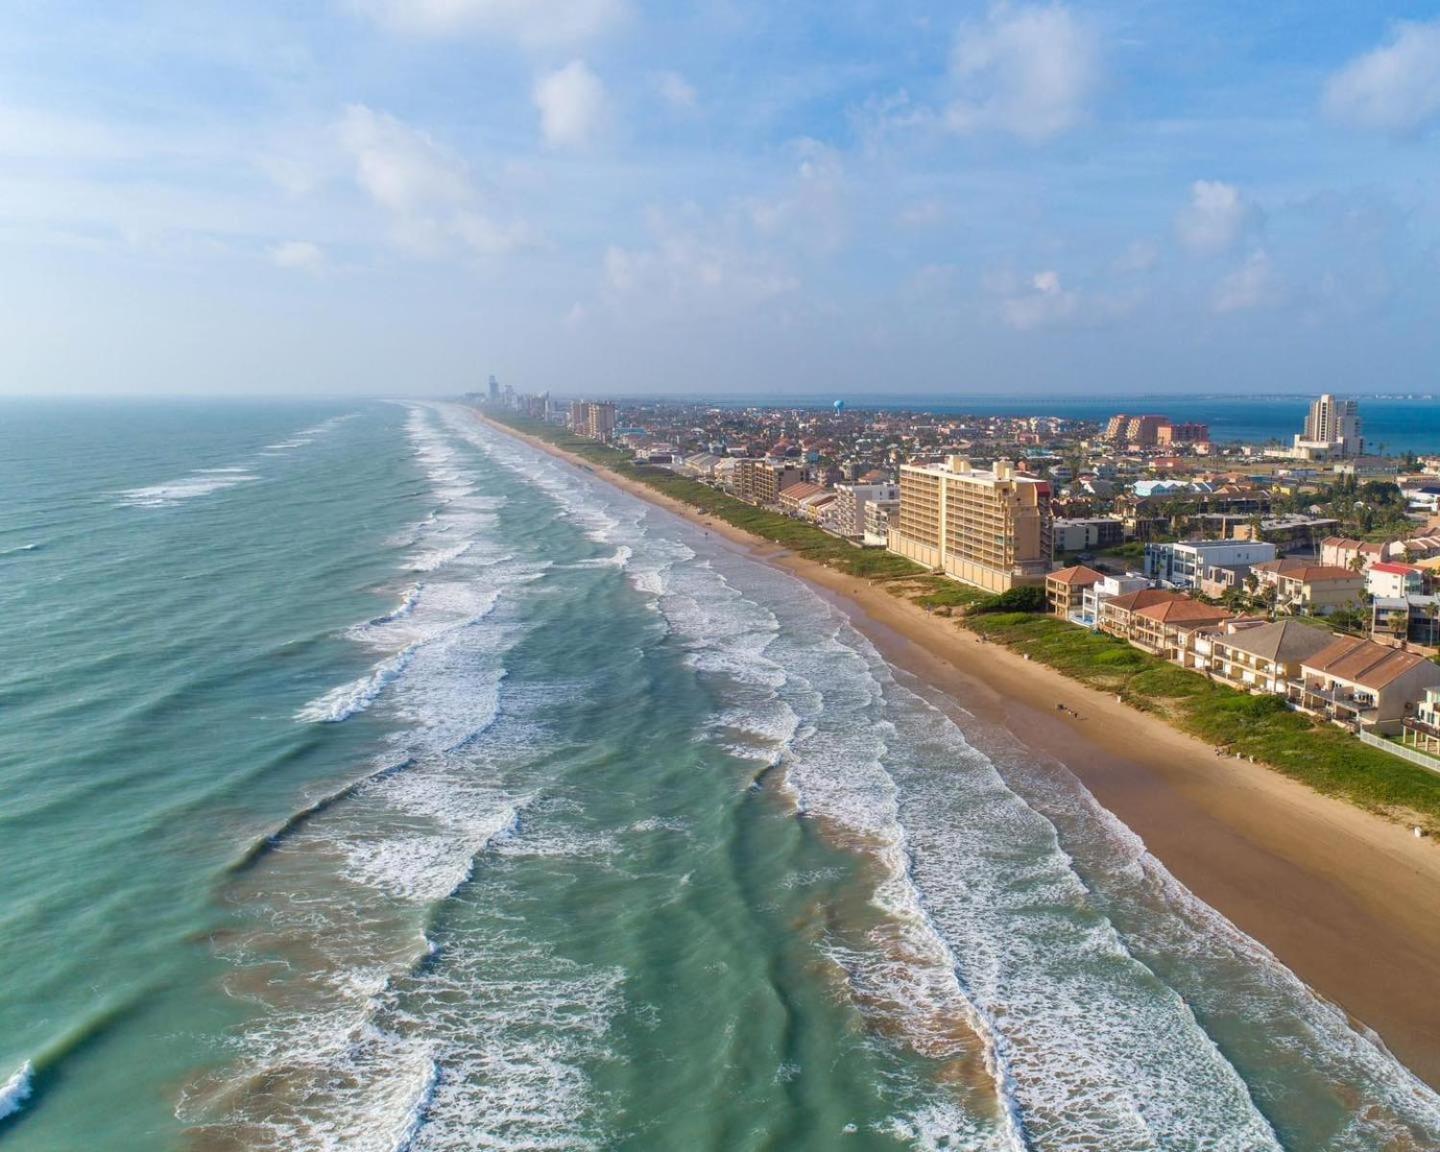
x=1400 y=750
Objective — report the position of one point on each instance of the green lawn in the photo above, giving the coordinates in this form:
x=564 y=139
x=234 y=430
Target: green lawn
x=1323 y=756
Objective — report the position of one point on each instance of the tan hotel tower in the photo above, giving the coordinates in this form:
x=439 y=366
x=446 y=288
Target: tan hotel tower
x=988 y=528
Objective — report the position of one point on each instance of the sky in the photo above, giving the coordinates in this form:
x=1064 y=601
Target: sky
x=622 y=197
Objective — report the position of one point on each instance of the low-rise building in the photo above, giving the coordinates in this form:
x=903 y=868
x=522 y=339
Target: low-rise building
x=1116 y=614
x=1183 y=564
x=792 y=494
x=1392 y=580
x=1365 y=686
x=1268 y=658
x=1166 y=629
x=1074 y=534
x=1413 y=619
x=1094 y=596
x=1343 y=552
x=1422 y=731
x=1318 y=589
x=1065 y=591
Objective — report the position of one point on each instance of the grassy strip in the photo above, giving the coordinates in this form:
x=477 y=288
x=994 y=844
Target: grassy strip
x=801 y=538
x=1320 y=755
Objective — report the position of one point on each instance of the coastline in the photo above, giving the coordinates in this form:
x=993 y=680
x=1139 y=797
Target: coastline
x=1344 y=898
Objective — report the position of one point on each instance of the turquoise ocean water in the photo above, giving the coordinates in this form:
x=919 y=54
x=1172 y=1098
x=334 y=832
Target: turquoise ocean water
x=371 y=781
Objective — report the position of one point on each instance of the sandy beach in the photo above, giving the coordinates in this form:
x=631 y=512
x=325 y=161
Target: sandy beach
x=1349 y=901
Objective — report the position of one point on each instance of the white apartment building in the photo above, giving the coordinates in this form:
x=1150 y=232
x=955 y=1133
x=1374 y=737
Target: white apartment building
x=1183 y=564
x=847 y=514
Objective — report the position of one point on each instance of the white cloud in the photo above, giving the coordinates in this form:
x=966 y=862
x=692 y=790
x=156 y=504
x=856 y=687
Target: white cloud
x=811 y=210
x=1253 y=285
x=301 y=254
x=676 y=91
x=531 y=22
x=573 y=106
x=423 y=185
x=694 y=266
x=1216 y=219
x=1041 y=302
x=1394 y=88
x=1030 y=71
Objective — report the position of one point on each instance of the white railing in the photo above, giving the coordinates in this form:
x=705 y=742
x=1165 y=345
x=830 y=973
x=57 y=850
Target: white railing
x=1410 y=754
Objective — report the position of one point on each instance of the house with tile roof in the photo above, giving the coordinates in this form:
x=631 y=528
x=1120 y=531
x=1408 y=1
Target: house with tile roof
x=1116 y=614
x=1318 y=589
x=1365 y=686
x=1267 y=659
x=1167 y=629
x=1065 y=590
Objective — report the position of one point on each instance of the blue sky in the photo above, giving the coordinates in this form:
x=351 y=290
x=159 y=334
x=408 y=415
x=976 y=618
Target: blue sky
x=616 y=196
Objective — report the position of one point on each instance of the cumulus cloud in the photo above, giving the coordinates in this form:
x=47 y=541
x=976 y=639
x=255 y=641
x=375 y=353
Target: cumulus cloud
x=1040 y=302
x=536 y=22
x=573 y=106
x=300 y=254
x=1216 y=219
x=1029 y=71
x=1394 y=88
x=1253 y=285
x=676 y=91
x=423 y=185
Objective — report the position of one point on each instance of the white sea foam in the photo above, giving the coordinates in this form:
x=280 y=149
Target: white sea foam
x=16 y=1090
x=203 y=482
x=345 y=701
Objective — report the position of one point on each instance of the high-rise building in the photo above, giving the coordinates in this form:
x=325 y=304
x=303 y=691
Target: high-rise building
x=494 y=390
x=1332 y=428
x=992 y=528
x=759 y=480
x=1144 y=430
x=597 y=421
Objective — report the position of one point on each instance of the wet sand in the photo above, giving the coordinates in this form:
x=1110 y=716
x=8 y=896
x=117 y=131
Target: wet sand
x=1347 y=900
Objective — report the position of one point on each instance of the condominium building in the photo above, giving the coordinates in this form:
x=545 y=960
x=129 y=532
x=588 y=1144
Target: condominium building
x=597 y=421
x=878 y=516
x=987 y=527
x=1332 y=429
x=1168 y=434
x=848 y=512
x=759 y=480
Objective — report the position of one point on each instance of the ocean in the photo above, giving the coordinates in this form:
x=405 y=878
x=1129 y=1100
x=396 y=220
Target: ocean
x=372 y=781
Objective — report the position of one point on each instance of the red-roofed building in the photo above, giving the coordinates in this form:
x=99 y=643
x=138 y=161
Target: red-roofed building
x=1396 y=581
x=1065 y=589
x=1364 y=685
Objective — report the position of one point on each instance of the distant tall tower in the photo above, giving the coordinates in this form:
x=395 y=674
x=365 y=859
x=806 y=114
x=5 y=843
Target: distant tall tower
x=494 y=389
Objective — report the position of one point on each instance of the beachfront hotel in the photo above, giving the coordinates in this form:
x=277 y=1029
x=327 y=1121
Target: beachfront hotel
x=988 y=527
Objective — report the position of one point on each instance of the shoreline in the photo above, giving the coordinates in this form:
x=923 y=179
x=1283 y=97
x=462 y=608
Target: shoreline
x=1345 y=899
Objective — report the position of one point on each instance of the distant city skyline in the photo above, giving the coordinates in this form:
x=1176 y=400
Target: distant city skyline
x=619 y=198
